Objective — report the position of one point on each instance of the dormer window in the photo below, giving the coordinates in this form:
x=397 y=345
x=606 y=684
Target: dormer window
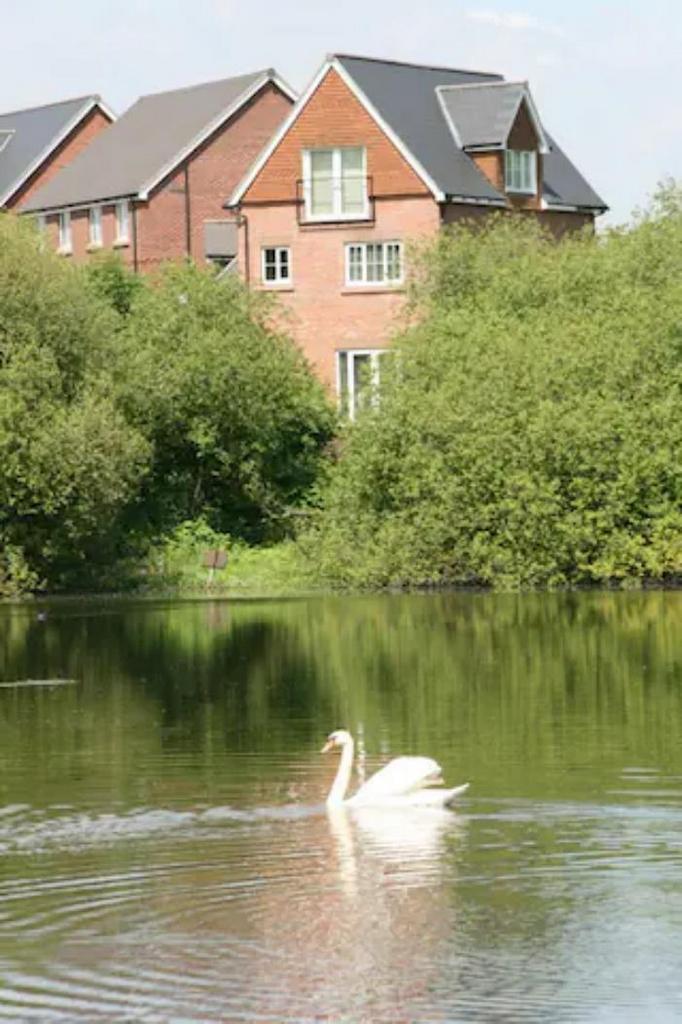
x=520 y=171
x=335 y=183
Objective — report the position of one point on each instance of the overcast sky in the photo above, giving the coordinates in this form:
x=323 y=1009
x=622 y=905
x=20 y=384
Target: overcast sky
x=606 y=76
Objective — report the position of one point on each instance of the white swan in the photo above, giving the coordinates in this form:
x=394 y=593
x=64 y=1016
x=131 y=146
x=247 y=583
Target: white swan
x=402 y=782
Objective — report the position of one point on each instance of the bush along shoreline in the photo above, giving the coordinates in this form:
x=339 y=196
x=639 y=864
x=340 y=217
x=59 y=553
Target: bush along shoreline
x=129 y=406
x=529 y=427
x=527 y=431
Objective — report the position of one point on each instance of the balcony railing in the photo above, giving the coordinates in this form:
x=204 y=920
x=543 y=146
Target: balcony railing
x=338 y=212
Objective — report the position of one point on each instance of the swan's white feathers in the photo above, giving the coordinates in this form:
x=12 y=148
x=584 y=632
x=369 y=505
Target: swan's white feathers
x=401 y=776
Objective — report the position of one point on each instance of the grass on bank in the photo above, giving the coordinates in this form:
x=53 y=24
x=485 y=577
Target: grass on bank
x=177 y=564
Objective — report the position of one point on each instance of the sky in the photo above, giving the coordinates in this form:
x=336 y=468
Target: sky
x=605 y=76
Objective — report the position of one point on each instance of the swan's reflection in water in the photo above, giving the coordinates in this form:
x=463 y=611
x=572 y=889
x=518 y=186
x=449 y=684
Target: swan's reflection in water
x=408 y=843
x=368 y=938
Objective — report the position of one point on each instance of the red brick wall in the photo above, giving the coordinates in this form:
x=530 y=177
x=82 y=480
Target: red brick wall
x=319 y=311
x=81 y=136
x=333 y=116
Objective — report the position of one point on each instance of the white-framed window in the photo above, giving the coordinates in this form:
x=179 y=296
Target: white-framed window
x=95 y=225
x=520 y=171
x=374 y=263
x=122 y=222
x=276 y=264
x=65 y=232
x=335 y=183
x=357 y=377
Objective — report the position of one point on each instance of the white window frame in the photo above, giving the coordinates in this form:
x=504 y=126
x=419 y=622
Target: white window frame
x=41 y=223
x=521 y=171
x=278 y=280
x=122 y=217
x=337 y=182
x=64 y=227
x=375 y=355
x=95 y=227
x=385 y=282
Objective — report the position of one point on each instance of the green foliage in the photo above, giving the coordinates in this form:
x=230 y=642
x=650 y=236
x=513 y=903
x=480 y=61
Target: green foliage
x=69 y=462
x=129 y=406
x=113 y=281
x=236 y=420
x=177 y=562
x=530 y=424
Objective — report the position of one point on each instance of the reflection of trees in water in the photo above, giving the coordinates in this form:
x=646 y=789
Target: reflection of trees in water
x=528 y=678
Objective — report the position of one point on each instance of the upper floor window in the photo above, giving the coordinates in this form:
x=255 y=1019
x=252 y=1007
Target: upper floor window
x=276 y=264
x=122 y=230
x=520 y=171
x=374 y=263
x=95 y=222
x=335 y=183
x=65 y=231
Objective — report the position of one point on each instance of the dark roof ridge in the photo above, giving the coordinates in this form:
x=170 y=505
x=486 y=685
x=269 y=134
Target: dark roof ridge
x=212 y=81
x=412 y=64
x=55 y=103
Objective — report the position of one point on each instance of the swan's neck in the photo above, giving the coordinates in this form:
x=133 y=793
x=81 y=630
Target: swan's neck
x=338 y=790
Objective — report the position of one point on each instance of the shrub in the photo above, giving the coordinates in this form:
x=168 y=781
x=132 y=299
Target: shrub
x=530 y=423
x=69 y=462
x=236 y=421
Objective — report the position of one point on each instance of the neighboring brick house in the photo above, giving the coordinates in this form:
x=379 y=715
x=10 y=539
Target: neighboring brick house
x=36 y=143
x=373 y=154
x=152 y=186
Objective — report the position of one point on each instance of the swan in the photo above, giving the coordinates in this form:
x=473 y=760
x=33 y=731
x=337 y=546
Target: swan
x=402 y=782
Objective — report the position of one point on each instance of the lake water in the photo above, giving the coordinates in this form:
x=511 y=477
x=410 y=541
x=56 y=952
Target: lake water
x=165 y=853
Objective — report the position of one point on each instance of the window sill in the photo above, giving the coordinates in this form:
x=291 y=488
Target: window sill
x=373 y=289
x=521 y=191
x=288 y=287
x=63 y=251
x=121 y=243
x=94 y=247
x=338 y=222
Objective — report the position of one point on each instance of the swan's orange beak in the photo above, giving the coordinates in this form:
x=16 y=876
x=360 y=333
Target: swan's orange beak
x=329 y=745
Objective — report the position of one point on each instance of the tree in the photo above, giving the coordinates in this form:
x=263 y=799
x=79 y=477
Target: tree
x=530 y=422
x=236 y=420
x=68 y=460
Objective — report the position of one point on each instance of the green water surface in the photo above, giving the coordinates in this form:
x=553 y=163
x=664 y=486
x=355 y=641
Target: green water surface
x=166 y=856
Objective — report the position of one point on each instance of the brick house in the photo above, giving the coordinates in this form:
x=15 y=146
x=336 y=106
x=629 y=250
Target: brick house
x=36 y=143
x=373 y=154
x=152 y=186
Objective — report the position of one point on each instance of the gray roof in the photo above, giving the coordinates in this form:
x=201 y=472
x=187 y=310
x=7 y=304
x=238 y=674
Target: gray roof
x=146 y=142
x=29 y=136
x=406 y=97
x=482 y=114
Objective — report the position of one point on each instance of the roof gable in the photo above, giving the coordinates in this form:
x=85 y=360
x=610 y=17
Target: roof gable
x=332 y=64
x=149 y=141
x=482 y=115
x=332 y=116
x=28 y=137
